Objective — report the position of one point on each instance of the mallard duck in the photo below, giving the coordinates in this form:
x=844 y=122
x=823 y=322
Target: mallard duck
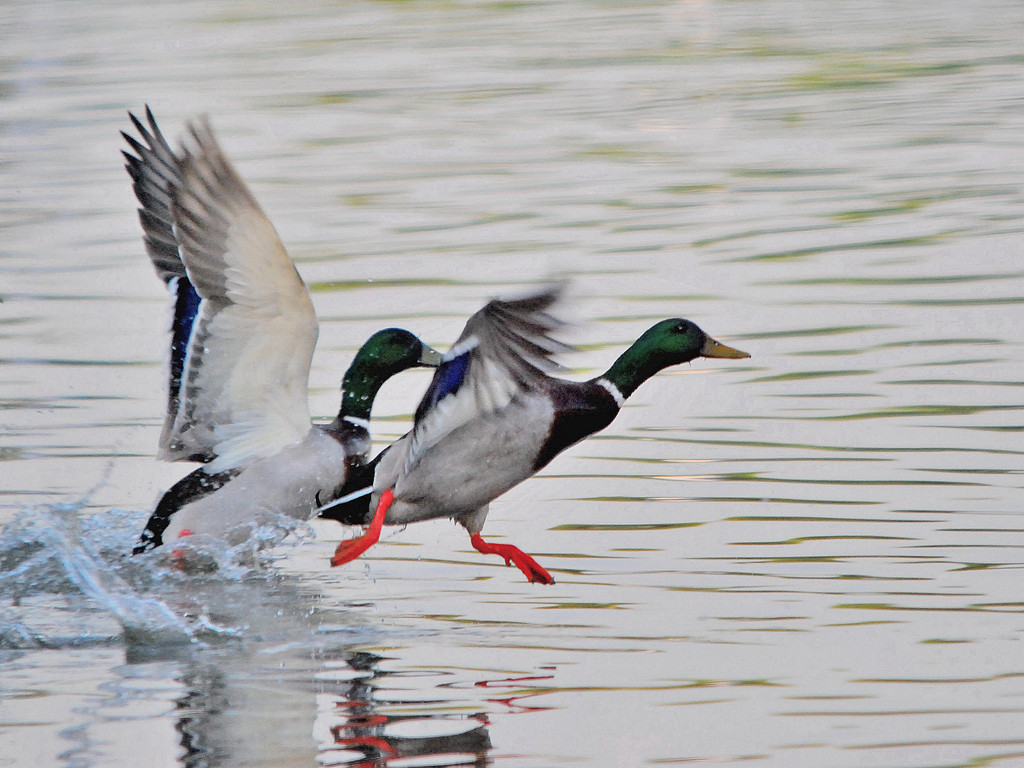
x=241 y=345
x=493 y=417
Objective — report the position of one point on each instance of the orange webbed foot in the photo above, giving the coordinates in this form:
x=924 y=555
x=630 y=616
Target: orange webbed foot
x=350 y=549
x=513 y=555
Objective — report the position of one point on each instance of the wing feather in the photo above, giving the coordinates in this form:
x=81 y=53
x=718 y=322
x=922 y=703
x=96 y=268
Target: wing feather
x=244 y=389
x=154 y=173
x=505 y=349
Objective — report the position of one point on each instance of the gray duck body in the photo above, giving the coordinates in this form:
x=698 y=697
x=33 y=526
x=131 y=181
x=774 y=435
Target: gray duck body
x=293 y=482
x=474 y=464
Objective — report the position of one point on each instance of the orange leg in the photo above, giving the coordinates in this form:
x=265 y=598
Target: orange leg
x=523 y=561
x=350 y=549
x=178 y=555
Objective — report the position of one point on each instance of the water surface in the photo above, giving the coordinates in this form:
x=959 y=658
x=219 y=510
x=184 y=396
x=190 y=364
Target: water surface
x=809 y=558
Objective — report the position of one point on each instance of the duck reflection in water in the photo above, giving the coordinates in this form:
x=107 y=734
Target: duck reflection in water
x=365 y=729
x=228 y=719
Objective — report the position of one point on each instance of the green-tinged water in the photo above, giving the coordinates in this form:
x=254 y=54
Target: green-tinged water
x=809 y=558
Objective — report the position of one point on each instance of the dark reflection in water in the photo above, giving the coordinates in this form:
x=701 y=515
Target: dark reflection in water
x=364 y=728
x=256 y=706
x=234 y=712
x=206 y=699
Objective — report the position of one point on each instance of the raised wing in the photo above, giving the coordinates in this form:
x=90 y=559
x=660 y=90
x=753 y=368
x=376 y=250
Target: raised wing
x=155 y=175
x=505 y=349
x=243 y=391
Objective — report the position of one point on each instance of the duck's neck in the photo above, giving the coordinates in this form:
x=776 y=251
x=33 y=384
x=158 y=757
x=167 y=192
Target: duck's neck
x=634 y=366
x=359 y=388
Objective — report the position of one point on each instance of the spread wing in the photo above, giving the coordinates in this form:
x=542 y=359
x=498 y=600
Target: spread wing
x=154 y=173
x=505 y=348
x=242 y=389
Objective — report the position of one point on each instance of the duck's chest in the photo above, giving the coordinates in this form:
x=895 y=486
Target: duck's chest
x=577 y=411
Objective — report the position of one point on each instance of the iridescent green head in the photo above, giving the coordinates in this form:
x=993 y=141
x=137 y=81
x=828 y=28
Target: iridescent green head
x=669 y=342
x=383 y=355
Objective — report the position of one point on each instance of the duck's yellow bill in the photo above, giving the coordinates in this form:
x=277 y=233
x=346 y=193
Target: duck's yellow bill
x=430 y=357
x=714 y=348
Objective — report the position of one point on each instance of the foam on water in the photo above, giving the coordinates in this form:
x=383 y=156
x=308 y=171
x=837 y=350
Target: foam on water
x=67 y=581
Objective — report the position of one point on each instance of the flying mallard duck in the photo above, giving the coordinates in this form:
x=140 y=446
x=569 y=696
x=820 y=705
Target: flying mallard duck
x=242 y=342
x=492 y=417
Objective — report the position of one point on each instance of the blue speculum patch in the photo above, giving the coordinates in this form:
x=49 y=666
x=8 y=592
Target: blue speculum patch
x=447 y=380
x=186 y=309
